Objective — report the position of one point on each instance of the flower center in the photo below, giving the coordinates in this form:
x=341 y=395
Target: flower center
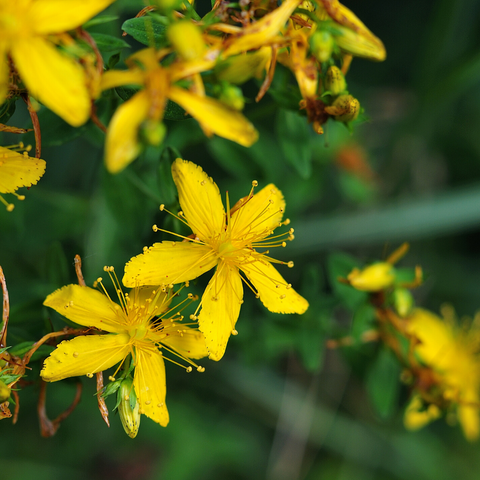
x=226 y=249
x=138 y=333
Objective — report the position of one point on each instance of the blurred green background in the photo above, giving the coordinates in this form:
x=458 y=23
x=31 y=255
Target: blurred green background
x=279 y=405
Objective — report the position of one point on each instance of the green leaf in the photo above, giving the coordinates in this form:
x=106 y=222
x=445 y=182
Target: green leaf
x=383 y=383
x=125 y=93
x=174 y=112
x=109 y=43
x=99 y=20
x=147 y=31
x=55 y=131
x=7 y=109
x=340 y=265
x=293 y=135
x=167 y=188
x=363 y=320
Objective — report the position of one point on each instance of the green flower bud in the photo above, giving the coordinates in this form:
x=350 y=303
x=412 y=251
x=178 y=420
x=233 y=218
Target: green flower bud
x=321 y=45
x=128 y=408
x=152 y=132
x=335 y=81
x=232 y=96
x=403 y=301
x=4 y=392
x=358 y=44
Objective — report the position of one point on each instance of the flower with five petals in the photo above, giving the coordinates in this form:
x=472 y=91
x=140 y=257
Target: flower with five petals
x=229 y=241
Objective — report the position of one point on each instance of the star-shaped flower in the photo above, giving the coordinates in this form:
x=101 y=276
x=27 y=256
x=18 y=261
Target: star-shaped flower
x=229 y=241
x=28 y=30
x=140 y=326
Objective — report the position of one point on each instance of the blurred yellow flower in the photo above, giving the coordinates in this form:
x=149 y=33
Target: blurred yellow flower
x=147 y=106
x=18 y=170
x=28 y=30
x=451 y=352
x=140 y=326
x=373 y=278
x=226 y=240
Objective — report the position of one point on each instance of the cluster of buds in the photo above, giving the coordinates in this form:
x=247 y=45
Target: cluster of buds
x=196 y=63
x=440 y=359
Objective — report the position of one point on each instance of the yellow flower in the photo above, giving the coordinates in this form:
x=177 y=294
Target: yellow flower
x=451 y=353
x=27 y=34
x=122 y=143
x=373 y=278
x=18 y=170
x=226 y=240
x=139 y=326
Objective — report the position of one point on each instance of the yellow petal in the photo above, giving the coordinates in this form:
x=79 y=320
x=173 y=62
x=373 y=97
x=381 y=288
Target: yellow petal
x=84 y=355
x=169 y=262
x=53 y=78
x=258 y=34
x=216 y=117
x=181 y=69
x=468 y=415
x=87 y=307
x=115 y=78
x=259 y=215
x=122 y=145
x=18 y=170
x=220 y=309
x=190 y=343
x=417 y=415
x=199 y=198
x=150 y=384
x=275 y=293
x=56 y=16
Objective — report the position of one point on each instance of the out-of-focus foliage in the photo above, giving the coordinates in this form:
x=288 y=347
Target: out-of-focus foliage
x=295 y=397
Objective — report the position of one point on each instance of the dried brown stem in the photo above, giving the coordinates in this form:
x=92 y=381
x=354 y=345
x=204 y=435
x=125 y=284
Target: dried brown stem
x=6 y=310
x=48 y=427
x=78 y=270
x=102 y=406
x=36 y=125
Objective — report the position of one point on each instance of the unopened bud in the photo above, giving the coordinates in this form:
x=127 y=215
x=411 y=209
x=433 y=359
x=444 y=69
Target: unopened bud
x=187 y=39
x=4 y=392
x=373 y=278
x=359 y=45
x=345 y=108
x=152 y=132
x=403 y=301
x=241 y=68
x=128 y=408
x=335 y=81
x=321 y=45
x=232 y=96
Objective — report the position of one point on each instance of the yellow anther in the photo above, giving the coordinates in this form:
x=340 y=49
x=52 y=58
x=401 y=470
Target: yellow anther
x=155 y=228
x=200 y=369
x=254 y=183
x=89 y=375
x=111 y=378
x=189 y=369
x=290 y=264
x=234 y=332
x=162 y=207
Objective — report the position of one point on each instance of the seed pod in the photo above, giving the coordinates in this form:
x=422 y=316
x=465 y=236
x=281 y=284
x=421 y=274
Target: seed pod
x=128 y=408
x=335 y=81
x=345 y=108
